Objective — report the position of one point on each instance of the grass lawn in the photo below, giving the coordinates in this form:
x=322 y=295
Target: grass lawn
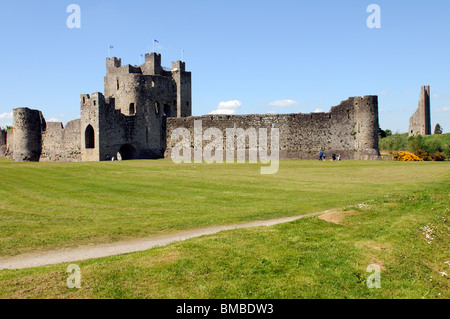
x=45 y=206
x=308 y=258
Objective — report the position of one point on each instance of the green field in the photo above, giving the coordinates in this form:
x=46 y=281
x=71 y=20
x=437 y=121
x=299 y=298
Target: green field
x=50 y=205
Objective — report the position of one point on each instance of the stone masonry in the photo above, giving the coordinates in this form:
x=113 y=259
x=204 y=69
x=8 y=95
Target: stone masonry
x=142 y=105
x=420 y=122
x=349 y=129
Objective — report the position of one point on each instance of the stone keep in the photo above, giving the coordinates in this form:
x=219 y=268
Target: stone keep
x=130 y=118
x=420 y=122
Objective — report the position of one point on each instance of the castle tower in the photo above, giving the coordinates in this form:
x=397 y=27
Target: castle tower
x=420 y=121
x=183 y=83
x=28 y=126
x=130 y=119
x=91 y=112
x=366 y=127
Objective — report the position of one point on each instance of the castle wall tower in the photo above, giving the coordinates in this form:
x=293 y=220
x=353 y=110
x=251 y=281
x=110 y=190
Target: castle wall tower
x=28 y=126
x=184 y=91
x=90 y=126
x=420 y=121
x=366 y=127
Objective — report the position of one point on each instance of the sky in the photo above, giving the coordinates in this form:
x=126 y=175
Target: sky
x=246 y=56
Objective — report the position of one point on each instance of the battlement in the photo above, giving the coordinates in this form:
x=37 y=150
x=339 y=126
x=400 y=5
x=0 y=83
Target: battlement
x=151 y=66
x=92 y=100
x=113 y=63
x=178 y=66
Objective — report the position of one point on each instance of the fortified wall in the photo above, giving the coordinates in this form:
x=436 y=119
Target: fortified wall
x=128 y=120
x=141 y=106
x=3 y=142
x=61 y=144
x=349 y=129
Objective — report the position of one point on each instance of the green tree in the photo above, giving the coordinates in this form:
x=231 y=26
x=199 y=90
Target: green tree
x=416 y=143
x=438 y=129
x=381 y=133
x=388 y=132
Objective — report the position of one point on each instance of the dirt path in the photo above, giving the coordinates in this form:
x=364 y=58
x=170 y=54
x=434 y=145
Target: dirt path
x=106 y=250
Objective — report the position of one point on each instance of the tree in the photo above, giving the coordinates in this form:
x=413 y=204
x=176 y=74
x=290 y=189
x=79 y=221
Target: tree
x=416 y=143
x=388 y=132
x=438 y=129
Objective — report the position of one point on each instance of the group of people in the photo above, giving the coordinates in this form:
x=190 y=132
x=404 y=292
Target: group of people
x=113 y=159
x=322 y=157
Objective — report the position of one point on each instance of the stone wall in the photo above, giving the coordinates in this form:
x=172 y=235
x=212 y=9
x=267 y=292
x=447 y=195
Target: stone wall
x=61 y=144
x=33 y=139
x=350 y=129
x=9 y=143
x=2 y=143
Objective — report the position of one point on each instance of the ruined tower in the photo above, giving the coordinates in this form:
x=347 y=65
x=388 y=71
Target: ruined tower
x=28 y=126
x=420 y=122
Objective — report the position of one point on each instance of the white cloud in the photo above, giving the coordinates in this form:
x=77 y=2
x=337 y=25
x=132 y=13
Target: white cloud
x=318 y=111
x=228 y=107
x=54 y=120
x=5 y=119
x=271 y=112
x=283 y=103
x=444 y=109
x=6 y=115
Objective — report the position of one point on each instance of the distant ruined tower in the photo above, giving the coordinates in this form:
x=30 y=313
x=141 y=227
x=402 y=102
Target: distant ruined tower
x=420 y=122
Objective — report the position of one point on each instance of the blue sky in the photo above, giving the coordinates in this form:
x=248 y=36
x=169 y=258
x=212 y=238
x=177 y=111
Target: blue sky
x=245 y=56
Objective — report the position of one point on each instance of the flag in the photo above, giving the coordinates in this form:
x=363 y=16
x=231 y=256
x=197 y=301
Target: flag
x=156 y=40
x=111 y=47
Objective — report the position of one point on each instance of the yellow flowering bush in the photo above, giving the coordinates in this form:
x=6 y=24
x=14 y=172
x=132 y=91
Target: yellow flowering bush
x=405 y=157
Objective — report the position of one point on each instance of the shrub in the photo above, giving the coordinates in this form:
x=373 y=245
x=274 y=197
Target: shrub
x=439 y=157
x=406 y=157
x=416 y=143
x=422 y=154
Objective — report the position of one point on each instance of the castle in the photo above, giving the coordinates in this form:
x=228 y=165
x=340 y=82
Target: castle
x=142 y=105
x=420 y=121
